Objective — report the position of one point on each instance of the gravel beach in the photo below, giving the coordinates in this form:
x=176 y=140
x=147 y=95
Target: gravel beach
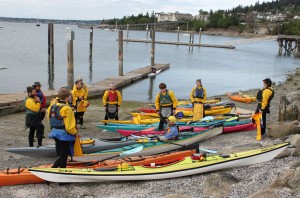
x=251 y=179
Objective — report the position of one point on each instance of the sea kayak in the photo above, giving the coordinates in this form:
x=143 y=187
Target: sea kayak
x=50 y=150
x=154 y=146
x=20 y=176
x=187 y=166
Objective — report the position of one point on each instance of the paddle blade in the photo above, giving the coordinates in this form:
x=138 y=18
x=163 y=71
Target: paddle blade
x=207 y=150
x=135 y=150
x=77 y=147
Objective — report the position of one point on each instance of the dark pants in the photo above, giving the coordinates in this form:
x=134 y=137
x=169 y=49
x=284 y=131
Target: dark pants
x=63 y=150
x=42 y=115
x=39 y=128
x=163 y=120
x=264 y=119
x=79 y=117
x=116 y=116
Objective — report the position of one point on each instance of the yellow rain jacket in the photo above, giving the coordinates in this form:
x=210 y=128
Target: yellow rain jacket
x=32 y=105
x=266 y=94
x=76 y=94
x=173 y=101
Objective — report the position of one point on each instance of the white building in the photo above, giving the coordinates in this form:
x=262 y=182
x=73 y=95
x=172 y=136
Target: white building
x=173 y=17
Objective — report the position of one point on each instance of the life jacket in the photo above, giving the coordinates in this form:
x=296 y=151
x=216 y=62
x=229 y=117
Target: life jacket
x=165 y=99
x=169 y=130
x=28 y=111
x=56 y=120
x=32 y=119
x=260 y=95
x=112 y=96
x=199 y=92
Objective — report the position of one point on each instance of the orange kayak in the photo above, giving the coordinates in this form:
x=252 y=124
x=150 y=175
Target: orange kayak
x=20 y=176
x=241 y=98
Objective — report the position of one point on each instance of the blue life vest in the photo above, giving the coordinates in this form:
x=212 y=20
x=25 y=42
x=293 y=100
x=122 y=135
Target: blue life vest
x=57 y=124
x=56 y=121
x=199 y=93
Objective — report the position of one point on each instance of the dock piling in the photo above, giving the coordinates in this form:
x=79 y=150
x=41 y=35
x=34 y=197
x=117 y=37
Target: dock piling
x=50 y=43
x=70 y=76
x=200 y=32
x=178 y=31
x=152 y=47
x=120 y=53
x=91 y=41
x=127 y=32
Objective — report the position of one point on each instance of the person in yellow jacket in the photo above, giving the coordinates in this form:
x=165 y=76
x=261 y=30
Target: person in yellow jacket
x=112 y=101
x=198 y=93
x=198 y=97
x=165 y=103
x=83 y=86
x=78 y=94
x=264 y=98
x=63 y=127
x=33 y=121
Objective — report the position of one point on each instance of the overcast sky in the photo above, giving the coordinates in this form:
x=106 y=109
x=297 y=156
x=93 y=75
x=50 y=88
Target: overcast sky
x=106 y=9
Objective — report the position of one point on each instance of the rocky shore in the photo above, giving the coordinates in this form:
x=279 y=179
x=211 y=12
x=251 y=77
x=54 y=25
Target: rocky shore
x=275 y=178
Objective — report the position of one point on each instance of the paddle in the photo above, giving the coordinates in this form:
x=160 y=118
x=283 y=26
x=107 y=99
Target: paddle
x=128 y=152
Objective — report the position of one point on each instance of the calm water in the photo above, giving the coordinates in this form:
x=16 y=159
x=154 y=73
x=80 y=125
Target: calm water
x=24 y=52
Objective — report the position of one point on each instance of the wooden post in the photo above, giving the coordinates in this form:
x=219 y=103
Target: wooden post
x=280 y=43
x=153 y=47
x=200 y=31
x=127 y=32
x=49 y=46
x=52 y=42
x=91 y=41
x=190 y=41
x=70 y=37
x=147 y=29
x=285 y=46
x=298 y=47
x=193 y=36
x=282 y=109
x=120 y=53
x=178 y=31
x=91 y=70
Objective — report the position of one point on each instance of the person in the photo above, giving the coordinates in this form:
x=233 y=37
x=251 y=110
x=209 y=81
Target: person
x=198 y=93
x=63 y=127
x=37 y=86
x=165 y=104
x=33 y=119
x=112 y=100
x=172 y=132
x=264 y=98
x=198 y=97
x=153 y=70
x=83 y=86
x=78 y=95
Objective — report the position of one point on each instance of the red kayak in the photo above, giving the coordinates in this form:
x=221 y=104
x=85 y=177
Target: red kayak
x=152 y=131
x=239 y=128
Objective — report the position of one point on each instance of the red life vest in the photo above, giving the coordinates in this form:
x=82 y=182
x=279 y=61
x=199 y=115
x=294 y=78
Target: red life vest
x=112 y=96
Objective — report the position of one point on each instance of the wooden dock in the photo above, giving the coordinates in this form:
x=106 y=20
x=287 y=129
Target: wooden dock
x=180 y=43
x=290 y=44
x=12 y=103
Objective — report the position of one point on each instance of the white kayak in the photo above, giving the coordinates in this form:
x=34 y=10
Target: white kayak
x=182 y=167
x=154 y=74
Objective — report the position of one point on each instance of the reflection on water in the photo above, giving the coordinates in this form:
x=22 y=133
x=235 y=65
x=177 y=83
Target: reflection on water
x=51 y=75
x=91 y=70
x=150 y=91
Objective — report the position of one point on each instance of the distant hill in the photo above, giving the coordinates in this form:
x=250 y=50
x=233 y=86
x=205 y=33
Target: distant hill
x=56 y=21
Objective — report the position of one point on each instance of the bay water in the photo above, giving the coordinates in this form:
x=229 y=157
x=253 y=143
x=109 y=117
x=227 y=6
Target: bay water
x=24 y=48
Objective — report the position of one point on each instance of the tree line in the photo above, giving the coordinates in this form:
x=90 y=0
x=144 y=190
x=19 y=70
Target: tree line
x=235 y=17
